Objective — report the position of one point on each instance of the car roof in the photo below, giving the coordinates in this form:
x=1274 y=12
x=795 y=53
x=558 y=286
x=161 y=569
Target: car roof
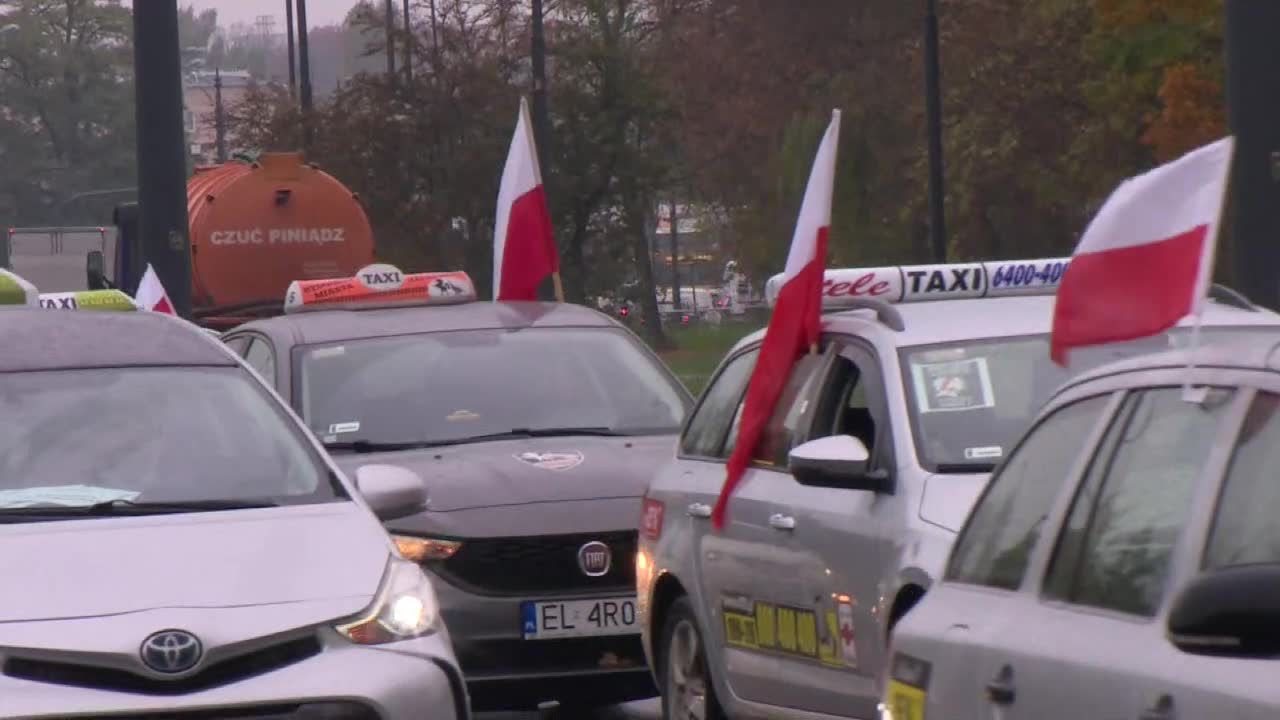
x=326 y=326
x=945 y=321
x=1239 y=353
x=39 y=339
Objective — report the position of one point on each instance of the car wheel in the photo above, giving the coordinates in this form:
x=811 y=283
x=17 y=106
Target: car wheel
x=687 y=690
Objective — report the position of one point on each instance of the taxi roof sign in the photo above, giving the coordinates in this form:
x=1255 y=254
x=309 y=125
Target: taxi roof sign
x=842 y=287
x=93 y=300
x=379 y=286
x=15 y=291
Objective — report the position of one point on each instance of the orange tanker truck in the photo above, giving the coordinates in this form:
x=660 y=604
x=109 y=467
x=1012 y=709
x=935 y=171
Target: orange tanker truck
x=255 y=227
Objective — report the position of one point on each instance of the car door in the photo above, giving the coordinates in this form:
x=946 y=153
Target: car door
x=938 y=646
x=1075 y=649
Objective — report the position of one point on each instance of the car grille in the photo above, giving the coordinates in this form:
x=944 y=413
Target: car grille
x=305 y=711
x=509 y=657
x=221 y=673
x=538 y=564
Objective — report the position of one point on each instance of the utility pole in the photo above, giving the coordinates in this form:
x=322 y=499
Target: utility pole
x=675 y=255
x=541 y=116
x=408 y=44
x=391 y=42
x=1253 y=96
x=219 y=116
x=293 y=74
x=162 y=149
x=304 y=68
x=933 y=101
x=435 y=42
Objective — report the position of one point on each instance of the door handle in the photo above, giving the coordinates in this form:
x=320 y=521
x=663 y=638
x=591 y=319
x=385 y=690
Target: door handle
x=699 y=510
x=1161 y=710
x=1000 y=690
x=778 y=521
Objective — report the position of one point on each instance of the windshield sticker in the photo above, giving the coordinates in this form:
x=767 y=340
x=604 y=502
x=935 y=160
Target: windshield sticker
x=952 y=386
x=63 y=495
x=329 y=352
x=558 y=461
x=462 y=416
x=346 y=427
x=983 y=453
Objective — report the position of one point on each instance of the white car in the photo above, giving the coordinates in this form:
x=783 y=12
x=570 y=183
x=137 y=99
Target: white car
x=877 y=451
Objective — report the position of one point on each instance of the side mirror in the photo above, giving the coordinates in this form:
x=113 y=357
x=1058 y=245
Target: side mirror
x=838 y=461
x=96 y=271
x=392 y=492
x=1233 y=612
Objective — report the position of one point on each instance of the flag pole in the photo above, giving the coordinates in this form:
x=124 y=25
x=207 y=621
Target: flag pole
x=1191 y=393
x=559 y=286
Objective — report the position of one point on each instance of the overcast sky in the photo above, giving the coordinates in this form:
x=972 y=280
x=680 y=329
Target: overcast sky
x=319 y=12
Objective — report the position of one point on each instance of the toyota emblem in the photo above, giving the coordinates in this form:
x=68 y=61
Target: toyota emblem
x=171 y=651
x=594 y=559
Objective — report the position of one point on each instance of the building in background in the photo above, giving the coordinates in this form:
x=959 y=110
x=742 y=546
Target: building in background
x=200 y=110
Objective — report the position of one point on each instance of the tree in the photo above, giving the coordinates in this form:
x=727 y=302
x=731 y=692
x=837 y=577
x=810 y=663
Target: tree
x=66 y=80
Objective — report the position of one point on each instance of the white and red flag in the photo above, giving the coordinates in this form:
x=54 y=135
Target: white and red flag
x=797 y=314
x=151 y=295
x=1146 y=260
x=524 y=247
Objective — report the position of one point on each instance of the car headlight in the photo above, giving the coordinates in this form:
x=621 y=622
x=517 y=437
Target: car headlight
x=404 y=608
x=420 y=549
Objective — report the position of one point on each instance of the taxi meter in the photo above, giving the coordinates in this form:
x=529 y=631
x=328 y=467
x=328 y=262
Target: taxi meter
x=379 y=286
x=843 y=287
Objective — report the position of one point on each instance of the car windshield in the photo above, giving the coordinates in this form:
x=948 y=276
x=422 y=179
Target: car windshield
x=448 y=387
x=76 y=438
x=969 y=401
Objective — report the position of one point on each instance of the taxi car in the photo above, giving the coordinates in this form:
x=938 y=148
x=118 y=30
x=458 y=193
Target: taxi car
x=877 y=450
x=535 y=427
x=171 y=530
x=1124 y=560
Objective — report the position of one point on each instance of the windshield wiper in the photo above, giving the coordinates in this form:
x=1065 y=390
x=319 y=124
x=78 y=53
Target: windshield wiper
x=964 y=468
x=567 y=431
x=370 y=446
x=131 y=507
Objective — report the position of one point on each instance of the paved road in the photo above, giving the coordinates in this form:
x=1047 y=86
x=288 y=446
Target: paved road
x=641 y=710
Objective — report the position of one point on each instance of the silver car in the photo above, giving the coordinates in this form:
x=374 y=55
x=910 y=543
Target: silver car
x=1124 y=561
x=535 y=427
x=876 y=452
x=175 y=544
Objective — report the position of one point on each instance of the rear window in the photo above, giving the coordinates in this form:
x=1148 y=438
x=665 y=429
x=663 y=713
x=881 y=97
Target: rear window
x=452 y=386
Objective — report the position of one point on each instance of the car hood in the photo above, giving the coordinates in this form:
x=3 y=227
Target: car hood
x=528 y=471
x=947 y=499
x=115 y=565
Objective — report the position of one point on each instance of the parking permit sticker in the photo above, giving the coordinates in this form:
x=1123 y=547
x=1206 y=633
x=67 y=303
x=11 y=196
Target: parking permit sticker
x=345 y=427
x=462 y=416
x=983 y=453
x=337 y=351
x=953 y=386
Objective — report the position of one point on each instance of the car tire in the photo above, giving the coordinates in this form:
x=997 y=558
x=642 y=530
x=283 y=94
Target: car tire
x=684 y=677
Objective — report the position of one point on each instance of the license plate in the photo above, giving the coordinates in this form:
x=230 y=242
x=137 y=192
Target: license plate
x=905 y=702
x=579 y=618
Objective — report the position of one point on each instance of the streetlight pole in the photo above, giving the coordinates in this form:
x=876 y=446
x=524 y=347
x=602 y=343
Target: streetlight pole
x=162 y=151
x=391 y=41
x=933 y=103
x=408 y=44
x=1253 y=96
x=293 y=74
x=304 y=68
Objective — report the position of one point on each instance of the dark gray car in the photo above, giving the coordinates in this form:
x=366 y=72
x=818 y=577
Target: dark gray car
x=536 y=427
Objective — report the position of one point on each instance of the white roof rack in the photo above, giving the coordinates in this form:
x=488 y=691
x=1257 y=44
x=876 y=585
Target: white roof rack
x=379 y=286
x=924 y=283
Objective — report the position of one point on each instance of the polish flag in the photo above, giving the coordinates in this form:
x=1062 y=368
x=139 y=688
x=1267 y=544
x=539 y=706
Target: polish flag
x=796 y=321
x=1146 y=260
x=151 y=295
x=524 y=248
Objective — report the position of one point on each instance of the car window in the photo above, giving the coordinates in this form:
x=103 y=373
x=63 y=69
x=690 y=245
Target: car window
x=1127 y=529
x=262 y=358
x=706 y=432
x=845 y=407
x=791 y=412
x=470 y=385
x=1245 y=530
x=970 y=400
x=159 y=434
x=996 y=544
